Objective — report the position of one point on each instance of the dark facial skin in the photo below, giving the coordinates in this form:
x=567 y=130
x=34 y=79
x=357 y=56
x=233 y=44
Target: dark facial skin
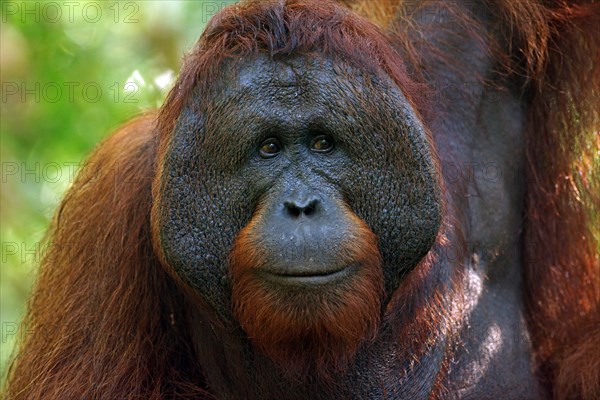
x=298 y=141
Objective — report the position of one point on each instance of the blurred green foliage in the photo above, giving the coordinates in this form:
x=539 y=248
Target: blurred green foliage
x=71 y=72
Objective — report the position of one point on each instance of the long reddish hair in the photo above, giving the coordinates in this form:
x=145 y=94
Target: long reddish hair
x=105 y=318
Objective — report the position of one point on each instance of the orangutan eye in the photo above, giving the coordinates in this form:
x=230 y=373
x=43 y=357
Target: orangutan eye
x=270 y=148
x=322 y=144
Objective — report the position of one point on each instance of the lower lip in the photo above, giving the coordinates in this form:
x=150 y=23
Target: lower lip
x=306 y=279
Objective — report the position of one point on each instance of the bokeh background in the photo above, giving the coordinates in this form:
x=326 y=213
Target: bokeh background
x=71 y=72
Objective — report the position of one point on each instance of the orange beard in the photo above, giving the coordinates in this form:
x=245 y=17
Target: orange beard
x=313 y=329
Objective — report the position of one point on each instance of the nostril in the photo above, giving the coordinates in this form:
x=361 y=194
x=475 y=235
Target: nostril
x=292 y=209
x=311 y=208
x=296 y=210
